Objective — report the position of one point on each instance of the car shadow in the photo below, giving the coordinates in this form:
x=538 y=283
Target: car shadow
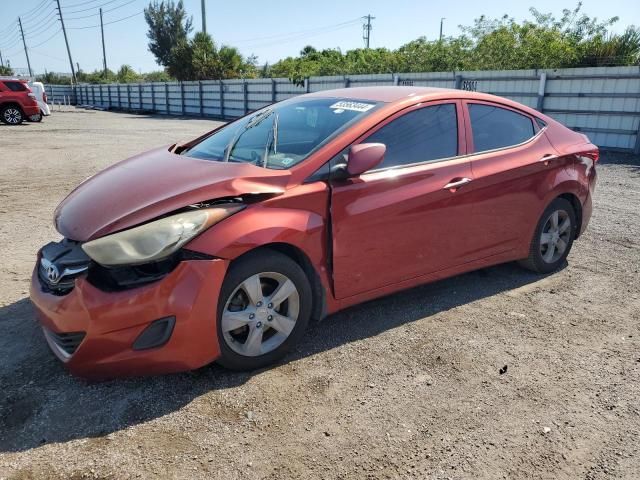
x=41 y=403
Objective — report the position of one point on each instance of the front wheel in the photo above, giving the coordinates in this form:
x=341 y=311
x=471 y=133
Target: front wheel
x=263 y=310
x=553 y=237
x=11 y=115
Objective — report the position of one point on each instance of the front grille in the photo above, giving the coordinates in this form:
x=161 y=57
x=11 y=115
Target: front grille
x=67 y=342
x=60 y=264
x=60 y=288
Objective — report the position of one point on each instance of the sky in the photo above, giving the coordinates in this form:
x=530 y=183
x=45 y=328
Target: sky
x=268 y=29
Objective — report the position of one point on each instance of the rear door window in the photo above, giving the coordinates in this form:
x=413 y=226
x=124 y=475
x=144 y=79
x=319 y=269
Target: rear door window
x=494 y=127
x=427 y=134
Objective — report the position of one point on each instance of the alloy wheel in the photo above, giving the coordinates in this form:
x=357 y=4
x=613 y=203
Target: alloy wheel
x=555 y=236
x=12 y=116
x=260 y=314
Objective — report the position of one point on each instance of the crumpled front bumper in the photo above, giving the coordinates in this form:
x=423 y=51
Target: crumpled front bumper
x=112 y=321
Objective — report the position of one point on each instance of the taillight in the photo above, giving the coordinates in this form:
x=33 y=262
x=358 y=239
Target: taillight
x=44 y=96
x=593 y=154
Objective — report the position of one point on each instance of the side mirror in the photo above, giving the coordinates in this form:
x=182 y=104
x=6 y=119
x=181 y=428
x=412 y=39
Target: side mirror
x=364 y=157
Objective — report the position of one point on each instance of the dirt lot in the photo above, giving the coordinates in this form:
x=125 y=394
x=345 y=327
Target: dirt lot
x=403 y=387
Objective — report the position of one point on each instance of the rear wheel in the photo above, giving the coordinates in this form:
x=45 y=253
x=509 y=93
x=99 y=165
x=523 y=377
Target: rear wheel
x=11 y=115
x=553 y=237
x=264 y=308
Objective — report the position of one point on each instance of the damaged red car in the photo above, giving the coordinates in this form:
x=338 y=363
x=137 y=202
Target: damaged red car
x=224 y=248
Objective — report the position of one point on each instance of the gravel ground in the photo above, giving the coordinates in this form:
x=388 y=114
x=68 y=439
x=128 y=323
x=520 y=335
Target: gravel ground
x=408 y=386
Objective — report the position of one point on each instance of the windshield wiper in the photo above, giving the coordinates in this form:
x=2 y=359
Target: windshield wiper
x=254 y=122
x=273 y=141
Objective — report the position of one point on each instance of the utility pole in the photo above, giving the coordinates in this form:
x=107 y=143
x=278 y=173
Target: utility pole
x=66 y=41
x=25 y=47
x=441 y=22
x=104 y=51
x=366 y=30
x=204 y=17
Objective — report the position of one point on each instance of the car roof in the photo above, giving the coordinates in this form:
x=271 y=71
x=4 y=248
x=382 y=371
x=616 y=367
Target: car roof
x=382 y=94
x=403 y=95
x=13 y=79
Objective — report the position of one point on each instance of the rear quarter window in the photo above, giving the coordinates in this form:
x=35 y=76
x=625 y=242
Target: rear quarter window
x=495 y=127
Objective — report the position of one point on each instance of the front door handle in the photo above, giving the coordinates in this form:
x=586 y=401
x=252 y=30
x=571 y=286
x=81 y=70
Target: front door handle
x=456 y=183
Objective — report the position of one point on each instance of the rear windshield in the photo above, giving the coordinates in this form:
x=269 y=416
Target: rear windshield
x=284 y=134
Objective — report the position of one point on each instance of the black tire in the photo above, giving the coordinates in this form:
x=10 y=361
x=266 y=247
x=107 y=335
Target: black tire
x=11 y=115
x=539 y=259
x=39 y=117
x=249 y=265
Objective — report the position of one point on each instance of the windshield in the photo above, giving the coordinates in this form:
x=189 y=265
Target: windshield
x=281 y=135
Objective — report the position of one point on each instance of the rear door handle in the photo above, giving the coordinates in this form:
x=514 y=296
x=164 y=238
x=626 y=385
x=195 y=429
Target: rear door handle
x=456 y=183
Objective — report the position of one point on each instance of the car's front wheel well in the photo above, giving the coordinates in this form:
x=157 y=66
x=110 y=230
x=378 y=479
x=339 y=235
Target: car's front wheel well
x=318 y=309
x=577 y=208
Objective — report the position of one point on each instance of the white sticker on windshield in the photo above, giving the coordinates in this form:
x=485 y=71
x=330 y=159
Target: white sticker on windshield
x=354 y=106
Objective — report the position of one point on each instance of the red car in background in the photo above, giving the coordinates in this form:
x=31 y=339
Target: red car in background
x=225 y=247
x=17 y=102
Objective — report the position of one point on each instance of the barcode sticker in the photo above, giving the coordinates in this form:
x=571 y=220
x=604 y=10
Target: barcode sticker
x=354 y=106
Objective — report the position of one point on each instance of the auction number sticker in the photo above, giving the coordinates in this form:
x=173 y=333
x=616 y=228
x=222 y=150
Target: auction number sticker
x=353 y=106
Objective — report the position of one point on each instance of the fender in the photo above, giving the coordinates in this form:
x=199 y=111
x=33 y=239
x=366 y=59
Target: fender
x=262 y=224
x=562 y=181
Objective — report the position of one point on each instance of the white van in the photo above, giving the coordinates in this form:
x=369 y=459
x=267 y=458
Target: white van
x=41 y=96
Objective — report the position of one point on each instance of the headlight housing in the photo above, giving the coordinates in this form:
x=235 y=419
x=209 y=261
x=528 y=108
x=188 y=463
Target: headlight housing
x=155 y=240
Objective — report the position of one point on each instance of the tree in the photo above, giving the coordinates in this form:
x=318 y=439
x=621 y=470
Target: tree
x=6 y=70
x=200 y=59
x=54 y=79
x=544 y=41
x=168 y=27
x=157 y=76
x=126 y=74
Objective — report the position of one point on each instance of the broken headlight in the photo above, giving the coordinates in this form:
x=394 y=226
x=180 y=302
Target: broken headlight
x=155 y=240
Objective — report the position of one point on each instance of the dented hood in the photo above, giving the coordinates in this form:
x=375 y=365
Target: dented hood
x=152 y=184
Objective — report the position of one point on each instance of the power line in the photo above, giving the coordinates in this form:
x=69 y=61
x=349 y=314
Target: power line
x=8 y=28
x=47 y=55
x=299 y=36
x=34 y=21
x=46 y=28
x=28 y=14
x=105 y=11
x=80 y=4
x=90 y=8
x=37 y=7
x=47 y=40
x=296 y=33
x=106 y=23
x=8 y=43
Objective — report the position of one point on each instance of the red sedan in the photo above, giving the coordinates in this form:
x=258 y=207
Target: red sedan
x=225 y=247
